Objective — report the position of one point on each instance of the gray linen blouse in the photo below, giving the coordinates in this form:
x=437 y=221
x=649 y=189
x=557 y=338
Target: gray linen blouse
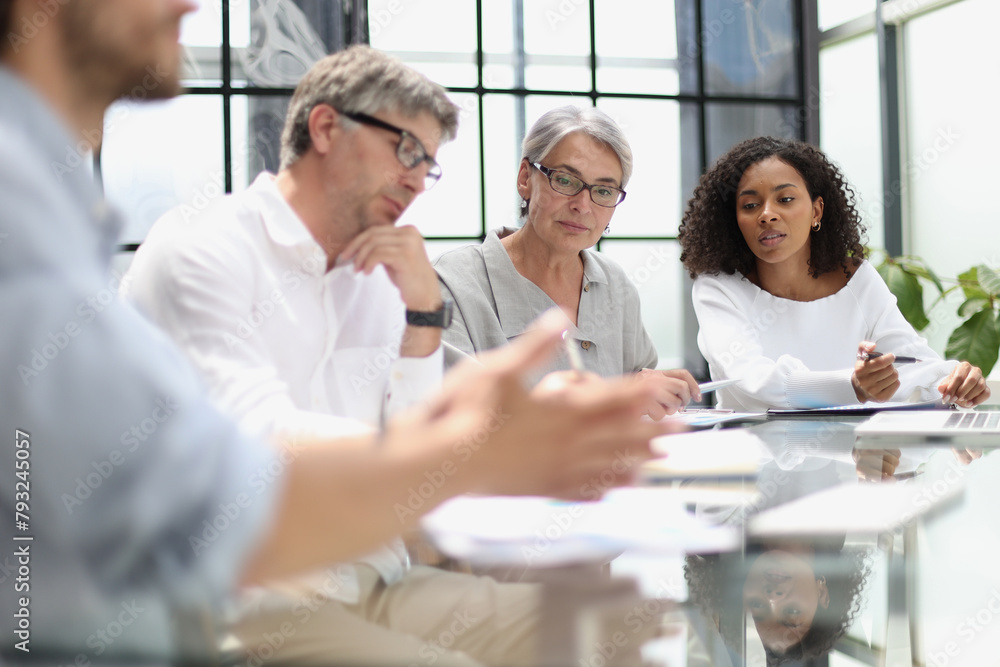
x=494 y=304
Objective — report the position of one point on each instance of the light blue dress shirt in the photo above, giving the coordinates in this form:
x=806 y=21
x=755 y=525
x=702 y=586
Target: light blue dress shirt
x=144 y=502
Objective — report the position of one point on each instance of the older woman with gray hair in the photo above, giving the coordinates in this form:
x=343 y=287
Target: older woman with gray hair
x=574 y=167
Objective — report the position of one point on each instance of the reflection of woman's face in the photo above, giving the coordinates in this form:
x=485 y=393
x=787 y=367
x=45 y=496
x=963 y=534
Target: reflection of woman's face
x=782 y=594
x=570 y=223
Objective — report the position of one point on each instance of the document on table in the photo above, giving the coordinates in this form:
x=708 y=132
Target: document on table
x=534 y=531
x=860 y=408
x=705 y=417
x=725 y=454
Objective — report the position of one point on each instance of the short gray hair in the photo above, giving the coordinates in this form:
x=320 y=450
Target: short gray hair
x=557 y=124
x=361 y=79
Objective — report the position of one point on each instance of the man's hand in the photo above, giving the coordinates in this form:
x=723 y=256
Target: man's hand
x=553 y=440
x=672 y=390
x=402 y=252
x=965 y=386
x=874 y=379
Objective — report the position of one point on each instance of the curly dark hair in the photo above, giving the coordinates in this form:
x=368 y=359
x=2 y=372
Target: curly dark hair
x=715 y=583
x=711 y=241
x=6 y=12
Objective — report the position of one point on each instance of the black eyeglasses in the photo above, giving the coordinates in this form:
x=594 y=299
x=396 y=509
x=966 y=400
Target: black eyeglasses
x=567 y=184
x=409 y=150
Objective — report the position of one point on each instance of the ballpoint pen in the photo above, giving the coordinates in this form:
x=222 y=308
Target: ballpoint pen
x=865 y=356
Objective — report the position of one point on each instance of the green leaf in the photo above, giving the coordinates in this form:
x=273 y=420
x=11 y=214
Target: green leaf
x=970 y=284
x=927 y=273
x=989 y=279
x=977 y=340
x=973 y=306
x=908 y=292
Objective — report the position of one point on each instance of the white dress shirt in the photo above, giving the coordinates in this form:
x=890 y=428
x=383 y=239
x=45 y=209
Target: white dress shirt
x=286 y=347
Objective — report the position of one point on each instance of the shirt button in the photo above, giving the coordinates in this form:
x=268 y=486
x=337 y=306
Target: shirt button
x=585 y=344
x=586 y=288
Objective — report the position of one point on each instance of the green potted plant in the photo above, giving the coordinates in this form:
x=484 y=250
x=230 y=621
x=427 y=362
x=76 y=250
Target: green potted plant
x=977 y=338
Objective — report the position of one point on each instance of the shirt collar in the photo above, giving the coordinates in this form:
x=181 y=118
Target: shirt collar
x=283 y=224
x=519 y=301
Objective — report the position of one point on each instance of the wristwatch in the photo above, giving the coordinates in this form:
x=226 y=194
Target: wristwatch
x=431 y=318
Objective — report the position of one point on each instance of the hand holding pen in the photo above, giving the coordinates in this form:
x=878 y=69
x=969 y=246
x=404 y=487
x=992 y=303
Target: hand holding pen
x=874 y=377
x=865 y=356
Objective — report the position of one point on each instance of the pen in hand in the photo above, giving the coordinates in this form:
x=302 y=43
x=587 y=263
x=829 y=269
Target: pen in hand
x=865 y=356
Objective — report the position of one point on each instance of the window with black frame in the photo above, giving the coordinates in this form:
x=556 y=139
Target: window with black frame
x=685 y=79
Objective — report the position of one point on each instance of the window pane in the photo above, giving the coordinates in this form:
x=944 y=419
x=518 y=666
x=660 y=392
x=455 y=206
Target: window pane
x=953 y=135
x=201 y=36
x=653 y=204
x=437 y=38
x=637 y=49
x=655 y=268
x=751 y=48
x=157 y=156
x=850 y=130
x=834 y=12
x=557 y=43
x=729 y=124
x=256 y=128
x=499 y=57
x=288 y=38
x=452 y=206
x=503 y=154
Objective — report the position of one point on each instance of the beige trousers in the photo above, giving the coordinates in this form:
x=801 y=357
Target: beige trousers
x=430 y=617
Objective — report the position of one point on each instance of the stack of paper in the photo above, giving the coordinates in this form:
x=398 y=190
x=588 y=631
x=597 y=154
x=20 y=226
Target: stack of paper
x=725 y=454
x=540 y=532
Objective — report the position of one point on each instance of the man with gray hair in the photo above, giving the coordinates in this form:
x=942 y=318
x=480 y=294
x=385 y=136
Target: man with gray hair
x=311 y=314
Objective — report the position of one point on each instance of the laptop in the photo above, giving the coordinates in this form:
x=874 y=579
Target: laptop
x=920 y=428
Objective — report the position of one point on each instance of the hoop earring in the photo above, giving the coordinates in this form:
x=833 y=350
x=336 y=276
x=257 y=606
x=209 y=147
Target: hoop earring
x=607 y=230
x=817 y=225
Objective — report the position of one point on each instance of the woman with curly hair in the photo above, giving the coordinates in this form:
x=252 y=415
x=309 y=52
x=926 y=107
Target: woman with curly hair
x=784 y=297
x=802 y=597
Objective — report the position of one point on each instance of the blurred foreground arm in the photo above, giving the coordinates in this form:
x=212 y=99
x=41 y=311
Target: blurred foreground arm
x=484 y=433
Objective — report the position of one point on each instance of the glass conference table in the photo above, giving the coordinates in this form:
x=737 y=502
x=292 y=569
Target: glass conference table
x=819 y=553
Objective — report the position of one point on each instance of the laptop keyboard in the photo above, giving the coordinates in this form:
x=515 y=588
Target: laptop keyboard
x=980 y=421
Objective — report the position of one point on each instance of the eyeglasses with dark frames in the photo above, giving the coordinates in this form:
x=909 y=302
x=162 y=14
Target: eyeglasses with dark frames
x=409 y=150
x=565 y=183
